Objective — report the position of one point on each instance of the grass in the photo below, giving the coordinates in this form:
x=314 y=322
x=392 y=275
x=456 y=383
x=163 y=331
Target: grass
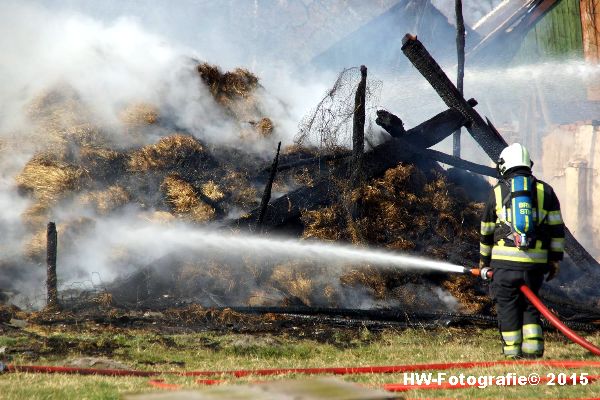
x=147 y=350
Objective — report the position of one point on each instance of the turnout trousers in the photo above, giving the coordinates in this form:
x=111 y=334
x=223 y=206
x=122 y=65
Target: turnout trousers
x=518 y=320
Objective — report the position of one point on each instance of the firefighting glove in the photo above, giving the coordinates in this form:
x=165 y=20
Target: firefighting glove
x=553 y=270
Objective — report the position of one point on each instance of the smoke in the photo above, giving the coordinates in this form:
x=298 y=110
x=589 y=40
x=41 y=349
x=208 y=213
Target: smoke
x=108 y=66
x=214 y=267
x=110 y=57
x=473 y=11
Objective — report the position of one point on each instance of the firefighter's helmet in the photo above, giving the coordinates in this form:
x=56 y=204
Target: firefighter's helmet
x=515 y=155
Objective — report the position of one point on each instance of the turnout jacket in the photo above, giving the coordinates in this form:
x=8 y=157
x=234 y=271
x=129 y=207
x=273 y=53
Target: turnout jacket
x=496 y=247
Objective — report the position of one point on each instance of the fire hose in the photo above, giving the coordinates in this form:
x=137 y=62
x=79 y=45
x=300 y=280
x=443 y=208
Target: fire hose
x=345 y=370
x=391 y=387
x=537 y=303
x=381 y=369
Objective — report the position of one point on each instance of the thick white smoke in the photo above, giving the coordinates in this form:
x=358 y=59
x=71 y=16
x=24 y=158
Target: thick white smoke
x=108 y=65
x=113 y=62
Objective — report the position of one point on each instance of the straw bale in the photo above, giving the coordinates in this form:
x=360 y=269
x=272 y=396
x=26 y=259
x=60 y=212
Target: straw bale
x=211 y=190
x=49 y=180
x=403 y=210
x=288 y=278
x=84 y=134
x=237 y=83
x=139 y=114
x=105 y=201
x=368 y=277
x=183 y=200
x=264 y=127
x=167 y=153
x=211 y=75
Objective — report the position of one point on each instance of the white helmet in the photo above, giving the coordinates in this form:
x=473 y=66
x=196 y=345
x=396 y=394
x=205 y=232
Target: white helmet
x=515 y=155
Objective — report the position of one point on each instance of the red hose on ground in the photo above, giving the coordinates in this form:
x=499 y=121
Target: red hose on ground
x=557 y=323
x=161 y=384
x=388 y=369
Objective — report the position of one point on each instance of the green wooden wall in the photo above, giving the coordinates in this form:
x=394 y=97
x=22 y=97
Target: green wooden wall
x=556 y=36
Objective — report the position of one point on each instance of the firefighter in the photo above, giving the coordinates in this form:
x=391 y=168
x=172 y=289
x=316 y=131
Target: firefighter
x=522 y=239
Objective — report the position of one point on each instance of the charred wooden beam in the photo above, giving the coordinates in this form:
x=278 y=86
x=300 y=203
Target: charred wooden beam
x=391 y=123
x=418 y=55
x=424 y=135
x=51 y=279
x=409 y=147
x=358 y=128
x=483 y=132
x=428 y=133
x=457 y=162
x=269 y=186
x=460 y=73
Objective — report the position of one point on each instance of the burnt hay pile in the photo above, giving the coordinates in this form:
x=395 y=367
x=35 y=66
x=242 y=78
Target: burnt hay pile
x=164 y=174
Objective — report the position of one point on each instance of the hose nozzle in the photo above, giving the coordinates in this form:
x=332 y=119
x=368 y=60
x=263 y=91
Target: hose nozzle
x=485 y=273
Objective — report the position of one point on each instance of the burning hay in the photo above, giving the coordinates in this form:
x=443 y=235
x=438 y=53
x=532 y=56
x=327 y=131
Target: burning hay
x=211 y=190
x=237 y=92
x=294 y=281
x=264 y=127
x=57 y=108
x=405 y=210
x=140 y=114
x=181 y=178
x=323 y=223
x=243 y=194
x=470 y=300
x=169 y=152
x=184 y=201
x=105 y=201
x=49 y=180
x=238 y=83
x=103 y=164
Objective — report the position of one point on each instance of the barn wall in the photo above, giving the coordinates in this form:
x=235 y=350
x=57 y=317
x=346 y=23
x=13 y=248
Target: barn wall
x=557 y=35
x=590 y=19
